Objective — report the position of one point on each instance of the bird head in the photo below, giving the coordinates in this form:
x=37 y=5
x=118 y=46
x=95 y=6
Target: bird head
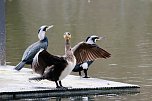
x=67 y=35
x=42 y=30
x=93 y=39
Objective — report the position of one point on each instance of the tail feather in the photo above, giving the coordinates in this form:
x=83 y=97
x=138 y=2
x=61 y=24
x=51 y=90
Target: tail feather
x=19 y=66
x=37 y=78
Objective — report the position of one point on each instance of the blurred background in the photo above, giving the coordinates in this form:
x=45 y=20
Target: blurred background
x=125 y=24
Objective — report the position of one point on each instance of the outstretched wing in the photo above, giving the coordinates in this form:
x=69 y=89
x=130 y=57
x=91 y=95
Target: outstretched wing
x=43 y=59
x=87 y=52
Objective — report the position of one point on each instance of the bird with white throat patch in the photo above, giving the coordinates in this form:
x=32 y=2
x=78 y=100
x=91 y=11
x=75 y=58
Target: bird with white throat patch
x=31 y=51
x=91 y=47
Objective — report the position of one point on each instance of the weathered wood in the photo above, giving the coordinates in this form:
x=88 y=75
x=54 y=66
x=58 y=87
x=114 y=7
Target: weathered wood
x=2 y=33
x=15 y=85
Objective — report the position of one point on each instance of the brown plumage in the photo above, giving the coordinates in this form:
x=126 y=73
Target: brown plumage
x=87 y=52
x=56 y=68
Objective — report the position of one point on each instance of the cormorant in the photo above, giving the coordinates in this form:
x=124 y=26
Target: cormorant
x=91 y=42
x=31 y=51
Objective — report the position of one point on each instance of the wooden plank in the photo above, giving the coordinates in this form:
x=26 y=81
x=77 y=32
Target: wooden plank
x=15 y=85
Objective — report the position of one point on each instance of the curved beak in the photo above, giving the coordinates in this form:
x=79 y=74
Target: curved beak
x=49 y=27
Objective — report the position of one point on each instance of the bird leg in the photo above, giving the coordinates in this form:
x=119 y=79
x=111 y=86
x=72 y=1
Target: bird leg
x=86 y=75
x=57 y=85
x=80 y=73
x=60 y=85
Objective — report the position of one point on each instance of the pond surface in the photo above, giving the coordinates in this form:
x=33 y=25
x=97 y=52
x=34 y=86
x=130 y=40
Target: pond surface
x=125 y=24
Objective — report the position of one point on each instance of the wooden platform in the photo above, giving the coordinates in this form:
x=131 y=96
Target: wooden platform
x=15 y=85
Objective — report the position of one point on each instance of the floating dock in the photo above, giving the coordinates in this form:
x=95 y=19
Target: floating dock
x=16 y=85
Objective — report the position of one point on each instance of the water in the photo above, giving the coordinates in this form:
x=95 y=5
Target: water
x=126 y=24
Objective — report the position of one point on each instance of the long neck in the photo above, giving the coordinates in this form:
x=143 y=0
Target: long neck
x=44 y=42
x=68 y=52
x=67 y=46
x=41 y=35
x=44 y=39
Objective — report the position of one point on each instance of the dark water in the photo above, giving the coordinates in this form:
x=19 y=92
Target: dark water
x=126 y=24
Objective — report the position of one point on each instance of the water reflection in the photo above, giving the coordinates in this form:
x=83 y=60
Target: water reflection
x=77 y=98
x=108 y=97
x=126 y=24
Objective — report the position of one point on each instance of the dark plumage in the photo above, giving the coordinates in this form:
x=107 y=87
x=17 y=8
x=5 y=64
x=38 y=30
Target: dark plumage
x=31 y=51
x=91 y=47
x=56 y=68
x=49 y=66
x=82 y=66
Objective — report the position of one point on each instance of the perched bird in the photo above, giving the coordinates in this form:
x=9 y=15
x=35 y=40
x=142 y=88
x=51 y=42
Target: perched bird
x=31 y=51
x=91 y=42
x=56 y=68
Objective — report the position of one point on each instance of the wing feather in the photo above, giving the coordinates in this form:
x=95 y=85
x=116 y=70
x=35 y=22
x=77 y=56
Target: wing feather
x=88 y=52
x=43 y=59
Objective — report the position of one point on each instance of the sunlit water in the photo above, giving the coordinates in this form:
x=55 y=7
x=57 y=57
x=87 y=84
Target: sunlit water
x=125 y=24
